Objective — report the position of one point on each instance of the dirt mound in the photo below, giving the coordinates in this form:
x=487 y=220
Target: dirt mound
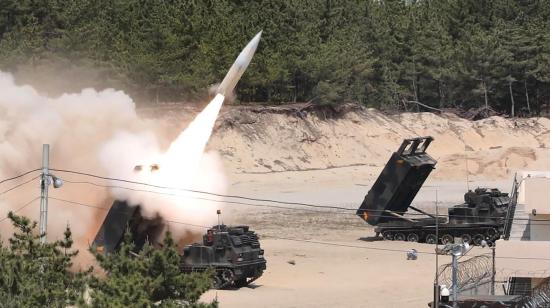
x=304 y=137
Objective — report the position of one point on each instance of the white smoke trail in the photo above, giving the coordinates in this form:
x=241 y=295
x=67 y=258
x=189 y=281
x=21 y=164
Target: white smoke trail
x=184 y=164
x=100 y=132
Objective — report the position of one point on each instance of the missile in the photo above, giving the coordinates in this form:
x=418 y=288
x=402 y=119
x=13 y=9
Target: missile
x=239 y=66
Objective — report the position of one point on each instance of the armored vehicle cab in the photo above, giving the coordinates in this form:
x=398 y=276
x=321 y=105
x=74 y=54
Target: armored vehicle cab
x=481 y=205
x=234 y=252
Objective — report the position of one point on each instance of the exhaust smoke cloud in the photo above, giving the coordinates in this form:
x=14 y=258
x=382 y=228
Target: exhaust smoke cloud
x=100 y=133
x=183 y=165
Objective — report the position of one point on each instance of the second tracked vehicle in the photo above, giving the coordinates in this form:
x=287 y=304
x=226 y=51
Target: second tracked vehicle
x=482 y=216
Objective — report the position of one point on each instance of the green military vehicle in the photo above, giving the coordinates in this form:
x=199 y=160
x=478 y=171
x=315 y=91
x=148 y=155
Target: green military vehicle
x=482 y=216
x=233 y=252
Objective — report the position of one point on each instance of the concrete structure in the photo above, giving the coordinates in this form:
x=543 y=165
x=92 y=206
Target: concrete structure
x=532 y=215
x=525 y=258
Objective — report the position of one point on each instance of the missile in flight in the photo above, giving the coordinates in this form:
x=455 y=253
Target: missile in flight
x=239 y=66
x=225 y=88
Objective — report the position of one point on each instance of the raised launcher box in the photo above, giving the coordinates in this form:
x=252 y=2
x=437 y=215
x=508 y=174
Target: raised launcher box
x=400 y=180
x=122 y=217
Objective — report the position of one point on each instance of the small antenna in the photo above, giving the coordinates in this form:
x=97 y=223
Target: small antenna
x=219 y=212
x=436 y=284
x=436 y=234
x=467 y=171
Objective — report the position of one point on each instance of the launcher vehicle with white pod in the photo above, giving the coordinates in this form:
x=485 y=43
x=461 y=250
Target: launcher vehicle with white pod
x=482 y=216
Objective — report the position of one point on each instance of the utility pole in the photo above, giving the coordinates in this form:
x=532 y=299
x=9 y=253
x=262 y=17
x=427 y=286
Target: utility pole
x=455 y=279
x=44 y=183
x=219 y=212
x=456 y=249
x=467 y=169
x=494 y=269
x=436 y=283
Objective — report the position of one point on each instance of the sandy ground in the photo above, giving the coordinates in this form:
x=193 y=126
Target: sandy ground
x=328 y=276
x=332 y=275
x=334 y=162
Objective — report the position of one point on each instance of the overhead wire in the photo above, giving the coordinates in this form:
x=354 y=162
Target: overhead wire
x=191 y=197
x=19 y=185
x=226 y=201
x=78 y=203
x=19 y=176
x=303 y=240
x=21 y=208
x=240 y=197
x=324 y=207
x=200 y=191
x=290 y=208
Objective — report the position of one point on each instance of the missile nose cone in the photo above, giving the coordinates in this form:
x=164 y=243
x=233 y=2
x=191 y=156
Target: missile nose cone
x=256 y=39
x=239 y=66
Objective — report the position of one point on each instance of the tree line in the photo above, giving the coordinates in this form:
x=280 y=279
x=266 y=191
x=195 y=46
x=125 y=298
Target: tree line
x=389 y=54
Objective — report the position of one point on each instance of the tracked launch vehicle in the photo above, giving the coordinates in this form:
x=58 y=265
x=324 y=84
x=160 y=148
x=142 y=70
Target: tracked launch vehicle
x=233 y=252
x=482 y=216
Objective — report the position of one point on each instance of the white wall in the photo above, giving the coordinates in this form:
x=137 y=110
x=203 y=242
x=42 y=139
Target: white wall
x=540 y=230
x=534 y=191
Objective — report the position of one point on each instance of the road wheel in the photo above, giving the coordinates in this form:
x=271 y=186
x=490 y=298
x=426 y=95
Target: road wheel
x=239 y=283
x=431 y=239
x=447 y=239
x=217 y=283
x=388 y=236
x=227 y=276
x=478 y=238
x=413 y=237
x=491 y=233
x=399 y=237
x=466 y=238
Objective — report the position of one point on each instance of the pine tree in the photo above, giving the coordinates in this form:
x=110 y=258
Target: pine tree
x=482 y=56
x=35 y=274
x=376 y=52
x=147 y=277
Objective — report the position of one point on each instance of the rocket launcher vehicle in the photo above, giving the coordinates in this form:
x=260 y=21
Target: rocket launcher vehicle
x=482 y=216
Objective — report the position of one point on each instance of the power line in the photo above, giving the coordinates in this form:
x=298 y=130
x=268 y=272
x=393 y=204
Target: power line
x=107 y=209
x=344 y=245
x=203 y=192
x=19 y=176
x=19 y=185
x=254 y=199
x=291 y=208
x=21 y=208
x=221 y=201
x=241 y=197
x=388 y=249
x=213 y=194
x=194 y=197
x=81 y=204
x=187 y=224
x=304 y=240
